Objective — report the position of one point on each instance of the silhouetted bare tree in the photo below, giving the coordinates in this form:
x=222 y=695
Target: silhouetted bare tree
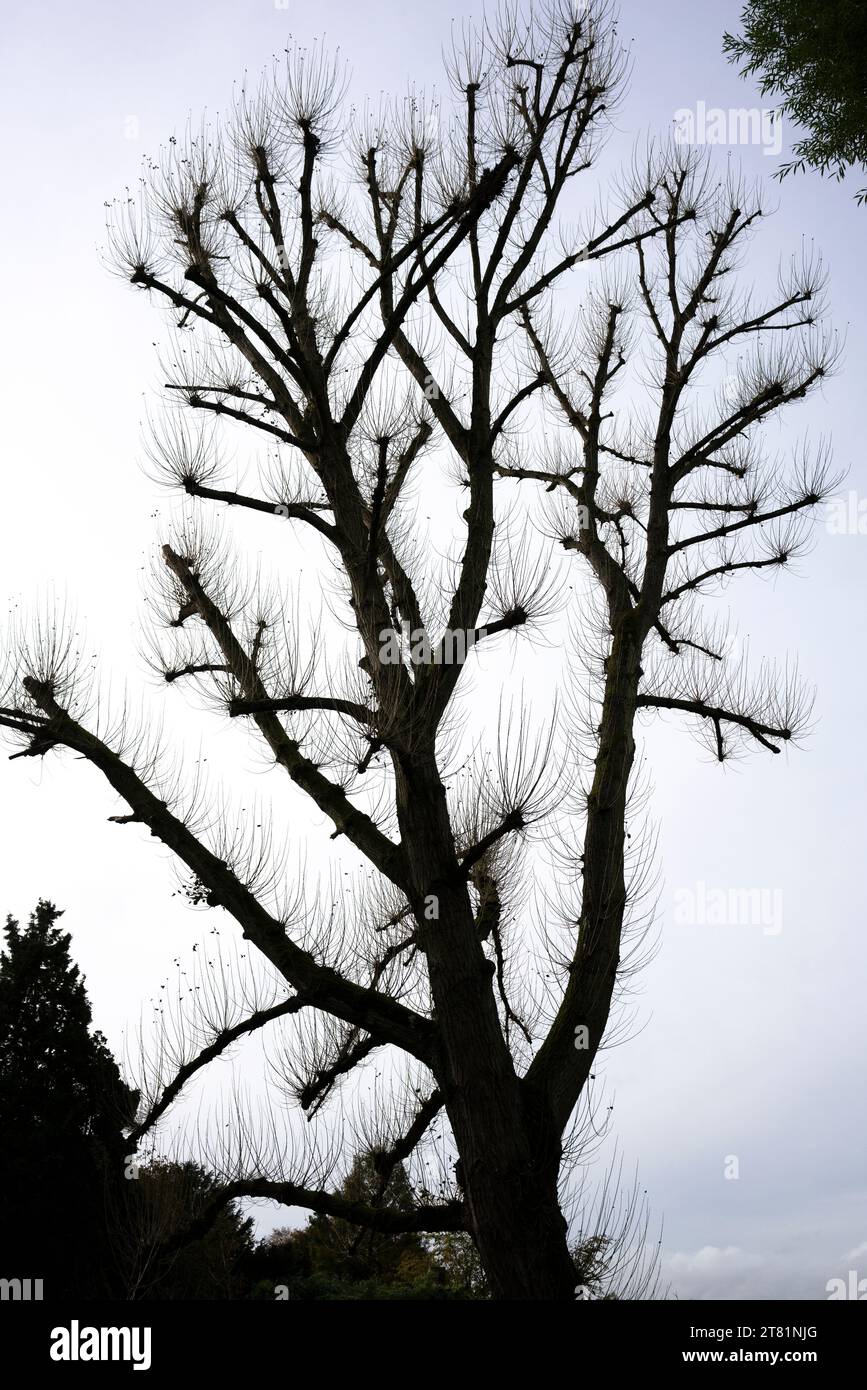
x=403 y=327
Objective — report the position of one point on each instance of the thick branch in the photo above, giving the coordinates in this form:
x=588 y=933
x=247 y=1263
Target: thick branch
x=319 y=985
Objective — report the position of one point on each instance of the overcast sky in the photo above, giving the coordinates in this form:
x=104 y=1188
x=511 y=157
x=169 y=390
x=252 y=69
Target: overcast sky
x=748 y=1039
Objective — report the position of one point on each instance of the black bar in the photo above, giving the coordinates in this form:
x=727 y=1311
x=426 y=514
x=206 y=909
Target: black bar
x=225 y=1339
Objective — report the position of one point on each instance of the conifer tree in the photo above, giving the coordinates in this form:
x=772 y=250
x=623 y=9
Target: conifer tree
x=63 y=1106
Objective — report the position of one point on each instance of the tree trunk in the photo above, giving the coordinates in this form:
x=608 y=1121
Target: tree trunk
x=508 y=1163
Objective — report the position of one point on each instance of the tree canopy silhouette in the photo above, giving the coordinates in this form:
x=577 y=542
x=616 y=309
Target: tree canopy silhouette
x=161 y=1204
x=812 y=59
x=63 y=1106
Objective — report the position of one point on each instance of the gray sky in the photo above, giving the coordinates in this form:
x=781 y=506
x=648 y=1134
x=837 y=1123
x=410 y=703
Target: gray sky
x=748 y=1040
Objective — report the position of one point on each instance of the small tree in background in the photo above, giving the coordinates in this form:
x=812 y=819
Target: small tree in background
x=813 y=57
x=163 y=1204
x=63 y=1106
x=332 y=1258
x=347 y=1251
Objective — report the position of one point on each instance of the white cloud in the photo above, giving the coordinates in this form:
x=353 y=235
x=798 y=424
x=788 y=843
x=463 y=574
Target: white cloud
x=730 y=1272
